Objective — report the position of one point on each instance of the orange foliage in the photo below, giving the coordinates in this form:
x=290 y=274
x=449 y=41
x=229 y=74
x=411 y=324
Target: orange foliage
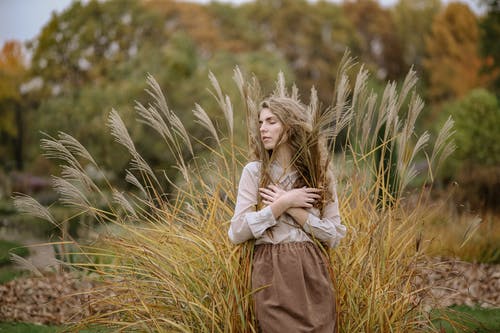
x=12 y=69
x=453 y=60
x=11 y=57
x=197 y=21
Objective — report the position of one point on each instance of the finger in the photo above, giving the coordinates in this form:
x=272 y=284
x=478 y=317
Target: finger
x=313 y=190
x=266 y=196
x=275 y=188
x=311 y=201
x=265 y=202
x=265 y=190
x=268 y=192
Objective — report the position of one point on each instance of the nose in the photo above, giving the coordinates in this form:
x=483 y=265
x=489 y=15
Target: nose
x=262 y=128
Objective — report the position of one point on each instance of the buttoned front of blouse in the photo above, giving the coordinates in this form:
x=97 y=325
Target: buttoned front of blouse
x=248 y=223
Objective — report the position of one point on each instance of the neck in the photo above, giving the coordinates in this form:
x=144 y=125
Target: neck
x=283 y=156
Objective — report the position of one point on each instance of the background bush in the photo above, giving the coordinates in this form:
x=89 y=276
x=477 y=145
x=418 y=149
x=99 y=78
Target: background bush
x=476 y=162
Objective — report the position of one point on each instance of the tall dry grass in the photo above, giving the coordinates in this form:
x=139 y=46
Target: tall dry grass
x=166 y=263
x=455 y=232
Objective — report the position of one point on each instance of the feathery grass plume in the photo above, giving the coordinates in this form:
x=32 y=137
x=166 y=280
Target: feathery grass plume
x=280 y=89
x=25 y=204
x=157 y=94
x=25 y=264
x=154 y=119
x=67 y=149
x=240 y=82
x=55 y=149
x=70 y=194
x=179 y=128
x=75 y=147
x=224 y=104
x=120 y=199
x=153 y=116
x=338 y=94
x=295 y=92
x=228 y=113
x=174 y=268
x=79 y=176
x=204 y=120
x=131 y=179
x=121 y=135
x=251 y=95
x=406 y=152
x=443 y=147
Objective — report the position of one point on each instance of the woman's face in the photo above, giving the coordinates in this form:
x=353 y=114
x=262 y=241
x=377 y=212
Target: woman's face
x=271 y=129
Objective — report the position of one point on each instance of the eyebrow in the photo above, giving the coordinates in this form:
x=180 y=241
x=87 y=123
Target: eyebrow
x=268 y=118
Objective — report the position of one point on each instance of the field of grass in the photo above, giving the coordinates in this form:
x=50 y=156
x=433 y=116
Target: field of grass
x=173 y=257
x=470 y=237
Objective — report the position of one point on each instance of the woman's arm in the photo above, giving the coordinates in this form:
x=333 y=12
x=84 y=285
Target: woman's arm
x=282 y=201
x=247 y=223
x=328 y=228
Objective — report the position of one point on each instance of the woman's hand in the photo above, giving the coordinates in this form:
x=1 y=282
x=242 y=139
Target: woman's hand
x=270 y=194
x=304 y=197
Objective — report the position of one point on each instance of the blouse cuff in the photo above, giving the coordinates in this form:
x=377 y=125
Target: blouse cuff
x=322 y=231
x=259 y=221
x=310 y=222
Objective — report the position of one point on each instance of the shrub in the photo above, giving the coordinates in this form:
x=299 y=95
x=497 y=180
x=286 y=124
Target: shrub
x=171 y=266
x=475 y=165
x=477 y=120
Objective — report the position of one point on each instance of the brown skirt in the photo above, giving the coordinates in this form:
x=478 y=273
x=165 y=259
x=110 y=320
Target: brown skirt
x=297 y=293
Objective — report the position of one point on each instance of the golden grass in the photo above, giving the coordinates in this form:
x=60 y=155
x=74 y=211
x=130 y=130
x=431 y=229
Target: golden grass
x=450 y=232
x=168 y=265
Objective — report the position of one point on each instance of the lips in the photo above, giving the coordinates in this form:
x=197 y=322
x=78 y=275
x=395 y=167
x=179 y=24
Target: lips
x=264 y=138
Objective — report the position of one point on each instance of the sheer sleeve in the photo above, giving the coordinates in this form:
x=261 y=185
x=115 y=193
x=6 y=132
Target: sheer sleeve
x=328 y=228
x=246 y=222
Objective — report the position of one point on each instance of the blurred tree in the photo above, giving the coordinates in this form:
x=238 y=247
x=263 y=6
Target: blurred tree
x=490 y=45
x=12 y=74
x=476 y=163
x=477 y=120
x=412 y=21
x=311 y=36
x=453 y=62
x=174 y=55
x=179 y=16
x=83 y=112
x=380 y=47
x=237 y=31
x=80 y=44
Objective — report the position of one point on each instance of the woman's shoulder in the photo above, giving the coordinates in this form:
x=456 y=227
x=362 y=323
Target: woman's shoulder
x=253 y=167
x=251 y=172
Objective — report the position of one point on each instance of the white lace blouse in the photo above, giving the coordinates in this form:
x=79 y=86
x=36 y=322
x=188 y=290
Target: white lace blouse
x=248 y=223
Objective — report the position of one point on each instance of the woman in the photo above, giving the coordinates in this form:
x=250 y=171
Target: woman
x=286 y=201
